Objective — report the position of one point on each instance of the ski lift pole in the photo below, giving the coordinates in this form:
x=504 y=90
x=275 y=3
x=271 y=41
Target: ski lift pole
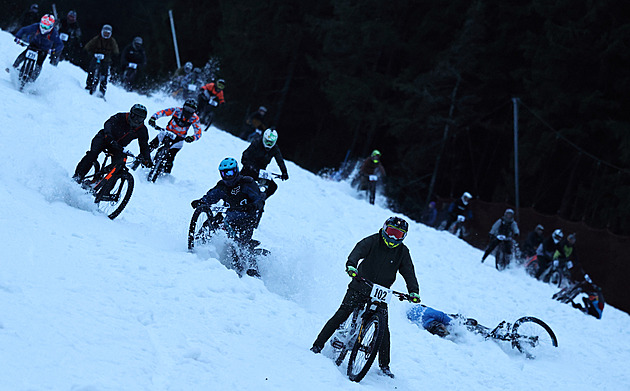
x=516 y=189
x=170 y=15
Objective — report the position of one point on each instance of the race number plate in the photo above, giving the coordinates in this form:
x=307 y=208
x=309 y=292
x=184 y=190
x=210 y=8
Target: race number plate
x=373 y=178
x=192 y=87
x=262 y=174
x=382 y=294
x=63 y=36
x=31 y=55
x=132 y=65
x=99 y=56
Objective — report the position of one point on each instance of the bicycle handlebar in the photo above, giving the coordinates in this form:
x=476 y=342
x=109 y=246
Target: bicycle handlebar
x=400 y=295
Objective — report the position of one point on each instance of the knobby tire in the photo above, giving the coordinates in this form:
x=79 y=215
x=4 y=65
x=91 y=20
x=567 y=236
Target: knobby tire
x=195 y=230
x=366 y=346
x=116 y=189
x=158 y=166
x=526 y=343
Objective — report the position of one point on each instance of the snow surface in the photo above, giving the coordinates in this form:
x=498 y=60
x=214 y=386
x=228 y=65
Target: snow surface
x=90 y=304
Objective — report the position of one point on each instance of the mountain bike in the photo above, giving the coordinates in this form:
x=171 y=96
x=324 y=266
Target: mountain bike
x=504 y=251
x=528 y=334
x=160 y=160
x=96 y=80
x=208 y=221
x=28 y=64
x=264 y=177
x=111 y=184
x=363 y=332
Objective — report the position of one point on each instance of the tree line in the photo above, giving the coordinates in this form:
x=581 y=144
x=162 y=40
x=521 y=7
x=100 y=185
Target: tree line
x=428 y=83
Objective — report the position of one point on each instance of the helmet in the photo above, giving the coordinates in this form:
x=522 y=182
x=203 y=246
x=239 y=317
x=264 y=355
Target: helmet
x=466 y=197
x=262 y=109
x=188 y=67
x=106 y=31
x=72 y=16
x=137 y=42
x=189 y=108
x=34 y=8
x=376 y=155
x=269 y=138
x=137 y=115
x=220 y=84
x=394 y=231
x=46 y=24
x=557 y=235
x=228 y=168
x=539 y=228
x=438 y=328
x=508 y=215
x=571 y=239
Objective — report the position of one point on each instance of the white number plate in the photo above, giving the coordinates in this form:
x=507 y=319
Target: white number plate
x=192 y=87
x=262 y=174
x=133 y=65
x=382 y=294
x=31 y=54
x=99 y=56
x=373 y=178
x=63 y=36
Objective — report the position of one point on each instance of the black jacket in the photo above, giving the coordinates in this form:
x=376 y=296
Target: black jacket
x=257 y=157
x=117 y=129
x=381 y=263
x=131 y=54
x=243 y=193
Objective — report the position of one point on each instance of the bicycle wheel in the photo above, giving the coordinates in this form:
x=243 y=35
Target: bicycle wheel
x=532 y=336
x=114 y=196
x=372 y=192
x=25 y=72
x=555 y=278
x=366 y=347
x=200 y=229
x=158 y=165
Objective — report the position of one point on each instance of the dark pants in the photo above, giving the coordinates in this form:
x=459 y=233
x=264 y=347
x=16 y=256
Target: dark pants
x=353 y=299
x=98 y=145
x=103 y=74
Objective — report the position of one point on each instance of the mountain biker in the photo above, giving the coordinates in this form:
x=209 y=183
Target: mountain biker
x=546 y=251
x=434 y=321
x=254 y=124
x=30 y=16
x=177 y=129
x=566 y=255
x=211 y=95
x=118 y=131
x=132 y=60
x=258 y=156
x=457 y=208
x=429 y=215
x=183 y=70
x=241 y=194
x=104 y=44
x=370 y=166
x=41 y=37
x=505 y=226
x=534 y=239
x=383 y=255
x=69 y=26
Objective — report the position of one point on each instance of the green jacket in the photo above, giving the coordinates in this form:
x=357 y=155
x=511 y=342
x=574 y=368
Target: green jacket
x=381 y=263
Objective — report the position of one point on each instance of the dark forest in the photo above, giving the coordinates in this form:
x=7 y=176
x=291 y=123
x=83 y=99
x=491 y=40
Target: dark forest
x=429 y=83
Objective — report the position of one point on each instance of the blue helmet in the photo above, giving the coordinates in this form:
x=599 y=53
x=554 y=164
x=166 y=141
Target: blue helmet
x=228 y=168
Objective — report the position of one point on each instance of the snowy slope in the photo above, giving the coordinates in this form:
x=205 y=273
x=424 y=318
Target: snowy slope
x=91 y=304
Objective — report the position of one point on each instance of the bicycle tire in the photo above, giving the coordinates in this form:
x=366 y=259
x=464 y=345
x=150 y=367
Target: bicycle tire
x=530 y=341
x=95 y=80
x=26 y=71
x=366 y=346
x=555 y=278
x=114 y=196
x=372 y=192
x=501 y=260
x=198 y=230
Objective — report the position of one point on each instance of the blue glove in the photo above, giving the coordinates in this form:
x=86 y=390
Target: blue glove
x=414 y=298
x=352 y=271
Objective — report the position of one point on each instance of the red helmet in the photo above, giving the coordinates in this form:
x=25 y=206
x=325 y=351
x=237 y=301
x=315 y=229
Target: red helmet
x=46 y=24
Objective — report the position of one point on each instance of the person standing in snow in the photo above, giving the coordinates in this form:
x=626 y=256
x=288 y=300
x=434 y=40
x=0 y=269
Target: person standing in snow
x=382 y=255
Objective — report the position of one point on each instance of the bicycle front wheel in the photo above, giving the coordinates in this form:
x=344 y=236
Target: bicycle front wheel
x=158 y=165
x=366 y=347
x=200 y=229
x=112 y=198
x=532 y=336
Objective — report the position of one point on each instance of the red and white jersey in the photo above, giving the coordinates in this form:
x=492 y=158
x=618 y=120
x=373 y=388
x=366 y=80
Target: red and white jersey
x=178 y=124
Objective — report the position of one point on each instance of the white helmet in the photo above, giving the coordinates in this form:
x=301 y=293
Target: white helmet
x=557 y=235
x=466 y=197
x=269 y=138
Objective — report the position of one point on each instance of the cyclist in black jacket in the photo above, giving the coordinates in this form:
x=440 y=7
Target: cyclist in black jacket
x=383 y=255
x=258 y=156
x=119 y=130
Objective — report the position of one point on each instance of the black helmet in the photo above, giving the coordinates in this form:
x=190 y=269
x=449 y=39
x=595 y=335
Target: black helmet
x=394 y=231
x=137 y=42
x=137 y=115
x=189 y=108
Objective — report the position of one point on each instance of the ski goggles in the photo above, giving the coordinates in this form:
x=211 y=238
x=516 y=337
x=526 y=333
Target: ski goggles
x=229 y=174
x=268 y=143
x=395 y=233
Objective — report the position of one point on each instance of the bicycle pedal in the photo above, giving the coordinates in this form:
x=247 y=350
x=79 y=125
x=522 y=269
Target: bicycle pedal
x=338 y=345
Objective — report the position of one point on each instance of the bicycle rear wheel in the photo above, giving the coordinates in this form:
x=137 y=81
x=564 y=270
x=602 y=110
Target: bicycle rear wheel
x=532 y=336
x=366 y=347
x=113 y=197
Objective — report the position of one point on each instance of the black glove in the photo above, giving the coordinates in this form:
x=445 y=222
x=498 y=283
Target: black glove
x=195 y=203
x=284 y=176
x=152 y=122
x=189 y=139
x=147 y=163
